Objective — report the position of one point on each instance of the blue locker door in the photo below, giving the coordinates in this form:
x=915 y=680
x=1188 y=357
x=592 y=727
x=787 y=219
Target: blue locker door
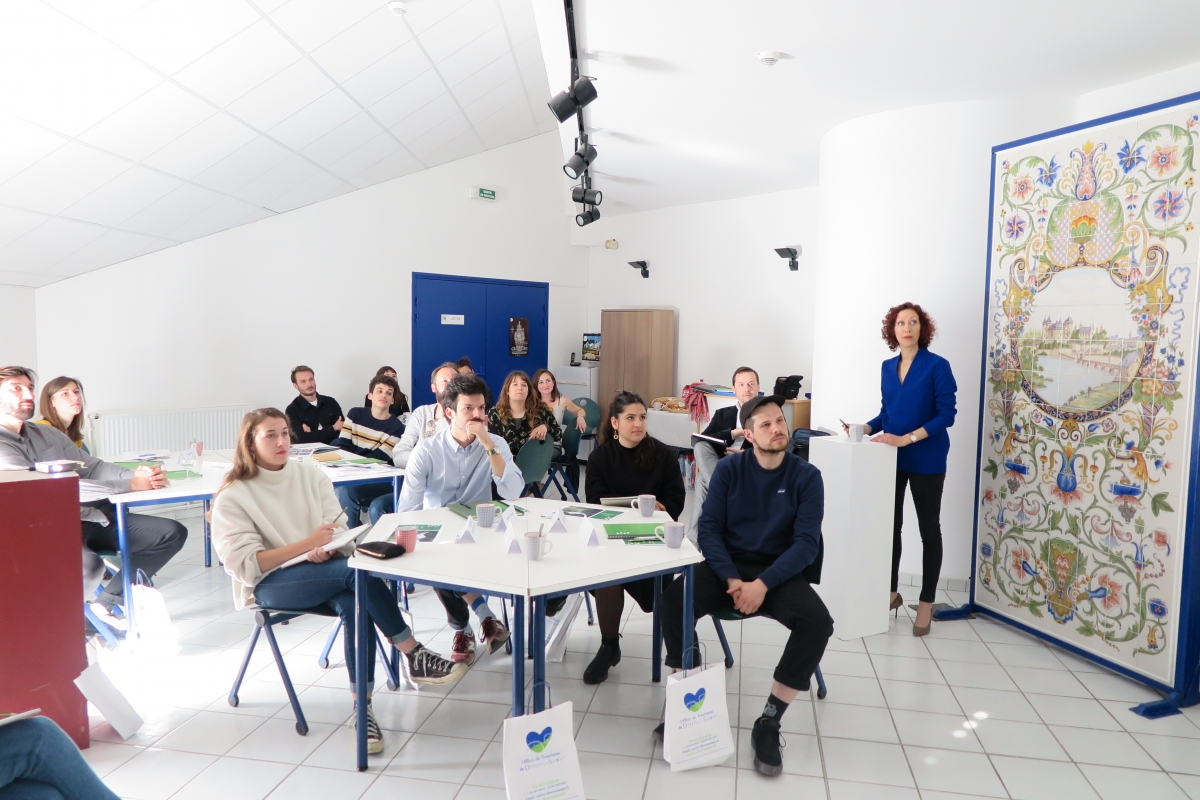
x=449 y=322
x=505 y=301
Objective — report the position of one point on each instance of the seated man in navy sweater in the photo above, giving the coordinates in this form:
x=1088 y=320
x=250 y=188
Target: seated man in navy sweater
x=373 y=433
x=759 y=531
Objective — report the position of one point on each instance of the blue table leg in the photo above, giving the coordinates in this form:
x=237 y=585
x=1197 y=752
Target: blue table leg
x=689 y=624
x=360 y=666
x=397 y=482
x=656 y=656
x=518 y=655
x=207 y=535
x=126 y=571
x=538 y=646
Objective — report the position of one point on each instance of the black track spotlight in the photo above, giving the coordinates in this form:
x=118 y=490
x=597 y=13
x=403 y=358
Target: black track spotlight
x=577 y=163
x=642 y=266
x=589 y=197
x=587 y=217
x=564 y=104
x=790 y=254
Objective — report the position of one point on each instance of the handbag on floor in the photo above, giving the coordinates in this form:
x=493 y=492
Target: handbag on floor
x=540 y=759
x=696 y=733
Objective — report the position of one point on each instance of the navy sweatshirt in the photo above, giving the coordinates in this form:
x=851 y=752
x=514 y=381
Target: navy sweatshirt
x=751 y=510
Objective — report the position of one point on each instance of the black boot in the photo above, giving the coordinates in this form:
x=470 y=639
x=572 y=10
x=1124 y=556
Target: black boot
x=764 y=739
x=609 y=655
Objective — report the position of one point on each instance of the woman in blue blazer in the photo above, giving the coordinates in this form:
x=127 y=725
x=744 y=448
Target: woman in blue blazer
x=918 y=406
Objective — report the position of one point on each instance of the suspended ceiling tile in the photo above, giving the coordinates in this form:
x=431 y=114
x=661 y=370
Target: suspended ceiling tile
x=240 y=64
x=23 y=144
x=423 y=15
x=464 y=25
x=426 y=117
x=61 y=75
x=500 y=96
x=312 y=23
x=65 y=176
x=477 y=55
x=123 y=196
x=243 y=165
x=505 y=129
x=202 y=146
x=486 y=80
x=279 y=179
x=228 y=212
x=169 y=34
x=445 y=131
x=529 y=56
x=374 y=151
x=97 y=15
x=388 y=74
x=169 y=212
x=409 y=98
x=156 y=245
x=321 y=186
x=467 y=144
x=538 y=87
x=315 y=120
x=150 y=122
x=369 y=40
x=16 y=222
x=344 y=139
x=394 y=166
x=48 y=243
x=281 y=96
x=112 y=247
x=521 y=25
x=31 y=279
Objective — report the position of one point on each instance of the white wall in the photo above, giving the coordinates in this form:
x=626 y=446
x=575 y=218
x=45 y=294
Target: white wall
x=222 y=320
x=17 y=332
x=1125 y=96
x=904 y=200
x=736 y=301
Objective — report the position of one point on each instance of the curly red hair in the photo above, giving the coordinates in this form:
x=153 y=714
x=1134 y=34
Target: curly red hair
x=928 y=328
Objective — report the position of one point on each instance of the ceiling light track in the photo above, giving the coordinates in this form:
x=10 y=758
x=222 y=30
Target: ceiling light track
x=566 y=104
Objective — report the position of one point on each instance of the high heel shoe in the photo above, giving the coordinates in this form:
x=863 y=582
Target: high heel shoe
x=895 y=605
x=919 y=630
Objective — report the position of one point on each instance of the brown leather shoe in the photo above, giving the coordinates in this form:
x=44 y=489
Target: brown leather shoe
x=494 y=634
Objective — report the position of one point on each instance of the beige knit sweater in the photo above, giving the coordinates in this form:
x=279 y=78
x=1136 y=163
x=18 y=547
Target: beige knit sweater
x=271 y=510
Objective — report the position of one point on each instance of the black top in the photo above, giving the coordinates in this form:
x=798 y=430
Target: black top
x=721 y=426
x=611 y=472
x=318 y=418
x=516 y=431
x=395 y=409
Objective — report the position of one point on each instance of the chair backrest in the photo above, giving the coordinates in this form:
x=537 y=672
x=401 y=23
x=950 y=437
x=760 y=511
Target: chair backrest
x=534 y=459
x=570 y=441
x=591 y=410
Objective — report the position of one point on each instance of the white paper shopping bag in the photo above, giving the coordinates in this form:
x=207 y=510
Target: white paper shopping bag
x=696 y=733
x=540 y=759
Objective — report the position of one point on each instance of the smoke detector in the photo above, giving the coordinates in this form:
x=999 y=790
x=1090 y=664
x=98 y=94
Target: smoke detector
x=769 y=57
x=397 y=7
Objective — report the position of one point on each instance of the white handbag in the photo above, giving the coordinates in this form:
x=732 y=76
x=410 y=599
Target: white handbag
x=696 y=731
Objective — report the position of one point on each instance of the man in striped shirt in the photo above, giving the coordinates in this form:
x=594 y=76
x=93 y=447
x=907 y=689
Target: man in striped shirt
x=373 y=433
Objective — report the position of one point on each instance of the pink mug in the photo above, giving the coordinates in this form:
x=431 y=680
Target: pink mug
x=406 y=535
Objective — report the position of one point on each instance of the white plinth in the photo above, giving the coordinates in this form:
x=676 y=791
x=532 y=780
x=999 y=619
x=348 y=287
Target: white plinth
x=860 y=491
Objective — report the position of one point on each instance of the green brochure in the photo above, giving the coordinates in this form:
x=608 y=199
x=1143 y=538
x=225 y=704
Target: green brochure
x=182 y=475
x=136 y=464
x=631 y=530
x=364 y=461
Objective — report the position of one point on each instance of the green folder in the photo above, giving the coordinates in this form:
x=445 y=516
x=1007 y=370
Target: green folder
x=136 y=464
x=364 y=461
x=631 y=530
x=182 y=475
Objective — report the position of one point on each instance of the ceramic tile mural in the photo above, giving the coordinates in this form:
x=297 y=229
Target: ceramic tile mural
x=1090 y=384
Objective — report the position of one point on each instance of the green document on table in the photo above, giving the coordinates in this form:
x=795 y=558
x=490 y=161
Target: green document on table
x=427 y=533
x=468 y=509
x=136 y=464
x=182 y=475
x=641 y=532
x=365 y=461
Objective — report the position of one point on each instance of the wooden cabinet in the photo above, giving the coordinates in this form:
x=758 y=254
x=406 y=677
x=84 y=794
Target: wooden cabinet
x=637 y=353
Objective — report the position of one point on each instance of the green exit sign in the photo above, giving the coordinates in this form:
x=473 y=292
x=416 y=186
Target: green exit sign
x=480 y=193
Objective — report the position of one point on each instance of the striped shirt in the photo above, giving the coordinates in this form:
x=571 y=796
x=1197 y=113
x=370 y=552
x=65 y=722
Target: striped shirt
x=363 y=434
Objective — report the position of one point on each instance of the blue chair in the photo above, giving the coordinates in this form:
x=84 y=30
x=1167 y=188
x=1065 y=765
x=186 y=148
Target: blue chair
x=559 y=464
x=534 y=462
x=734 y=616
x=591 y=413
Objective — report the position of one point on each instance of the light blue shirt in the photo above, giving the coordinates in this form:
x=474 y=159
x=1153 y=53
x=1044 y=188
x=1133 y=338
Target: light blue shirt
x=441 y=472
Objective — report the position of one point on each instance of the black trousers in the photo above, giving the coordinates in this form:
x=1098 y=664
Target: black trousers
x=458 y=614
x=927 y=497
x=793 y=603
x=153 y=541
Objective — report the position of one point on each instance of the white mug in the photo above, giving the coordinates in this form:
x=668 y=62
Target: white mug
x=672 y=533
x=857 y=432
x=485 y=513
x=536 y=546
x=645 y=504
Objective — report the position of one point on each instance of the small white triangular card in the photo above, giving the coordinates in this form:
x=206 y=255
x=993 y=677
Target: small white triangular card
x=588 y=535
x=558 y=523
x=467 y=536
x=512 y=543
x=507 y=521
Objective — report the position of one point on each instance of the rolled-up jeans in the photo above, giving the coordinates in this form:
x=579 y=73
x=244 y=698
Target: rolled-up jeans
x=308 y=585
x=40 y=762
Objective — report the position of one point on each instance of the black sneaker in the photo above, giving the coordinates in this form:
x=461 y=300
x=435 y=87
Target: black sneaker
x=427 y=667
x=767 y=746
x=374 y=734
x=554 y=606
x=659 y=731
x=609 y=655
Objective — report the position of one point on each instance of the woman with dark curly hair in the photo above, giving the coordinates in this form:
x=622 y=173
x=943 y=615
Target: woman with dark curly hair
x=918 y=406
x=519 y=415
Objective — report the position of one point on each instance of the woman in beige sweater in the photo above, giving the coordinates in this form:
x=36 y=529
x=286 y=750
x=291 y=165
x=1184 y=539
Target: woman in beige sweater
x=270 y=510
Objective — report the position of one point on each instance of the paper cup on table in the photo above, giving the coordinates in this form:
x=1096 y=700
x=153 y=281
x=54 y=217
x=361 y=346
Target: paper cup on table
x=486 y=514
x=673 y=534
x=857 y=432
x=645 y=504
x=406 y=536
x=537 y=546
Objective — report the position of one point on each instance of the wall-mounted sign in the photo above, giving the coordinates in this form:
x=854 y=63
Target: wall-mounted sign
x=454 y=319
x=518 y=336
x=480 y=193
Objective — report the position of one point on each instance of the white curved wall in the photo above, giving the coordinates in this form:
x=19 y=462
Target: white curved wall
x=903 y=216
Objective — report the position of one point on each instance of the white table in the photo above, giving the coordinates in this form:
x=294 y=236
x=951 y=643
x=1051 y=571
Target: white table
x=486 y=568
x=675 y=430
x=860 y=490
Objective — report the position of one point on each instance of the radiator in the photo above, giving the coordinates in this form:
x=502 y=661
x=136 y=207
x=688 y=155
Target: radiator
x=119 y=433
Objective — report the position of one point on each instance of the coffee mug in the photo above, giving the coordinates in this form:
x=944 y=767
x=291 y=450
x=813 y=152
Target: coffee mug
x=536 y=546
x=486 y=514
x=857 y=432
x=645 y=504
x=406 y=535
x=672 y=533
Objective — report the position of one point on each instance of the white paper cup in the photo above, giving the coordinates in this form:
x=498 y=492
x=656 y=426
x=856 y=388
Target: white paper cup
x=673 y=533
x=857 y=432
x=486 y=514
x=645 y=504
x=537 y=546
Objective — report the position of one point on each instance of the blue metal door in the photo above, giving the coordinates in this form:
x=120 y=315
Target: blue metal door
x=458 y=316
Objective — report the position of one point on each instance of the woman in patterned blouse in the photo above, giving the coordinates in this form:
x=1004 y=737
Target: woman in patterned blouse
x=518 y=417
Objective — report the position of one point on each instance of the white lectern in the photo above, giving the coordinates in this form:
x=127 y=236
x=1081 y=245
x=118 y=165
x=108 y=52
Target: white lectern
x=860 y=491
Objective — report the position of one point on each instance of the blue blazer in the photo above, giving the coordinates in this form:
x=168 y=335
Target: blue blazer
x=925 y=400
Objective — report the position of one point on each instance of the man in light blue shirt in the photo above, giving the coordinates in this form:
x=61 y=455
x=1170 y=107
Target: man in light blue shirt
x=460 y=465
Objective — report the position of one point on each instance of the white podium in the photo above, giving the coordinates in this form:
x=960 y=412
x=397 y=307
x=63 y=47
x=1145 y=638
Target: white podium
x=860 y=491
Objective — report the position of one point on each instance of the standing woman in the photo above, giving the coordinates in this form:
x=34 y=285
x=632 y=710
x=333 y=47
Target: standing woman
x=62 y=408
x=628 y=462
x=918 y=406
x=270 y=510
x=556 y=401
x=517 y=417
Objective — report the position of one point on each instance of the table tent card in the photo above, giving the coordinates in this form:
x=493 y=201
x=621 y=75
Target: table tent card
x=512 y=543
x=588 y=535
x=558 y=523
x=540 y=759
x=507 y=521
x=468 y=533
x=215 y=469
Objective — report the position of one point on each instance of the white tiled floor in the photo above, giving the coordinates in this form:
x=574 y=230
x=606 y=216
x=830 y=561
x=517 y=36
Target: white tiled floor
x=974 y=709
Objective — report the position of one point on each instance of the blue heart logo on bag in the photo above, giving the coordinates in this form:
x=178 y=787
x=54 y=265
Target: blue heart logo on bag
x=694 y=701
x=538 y=741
